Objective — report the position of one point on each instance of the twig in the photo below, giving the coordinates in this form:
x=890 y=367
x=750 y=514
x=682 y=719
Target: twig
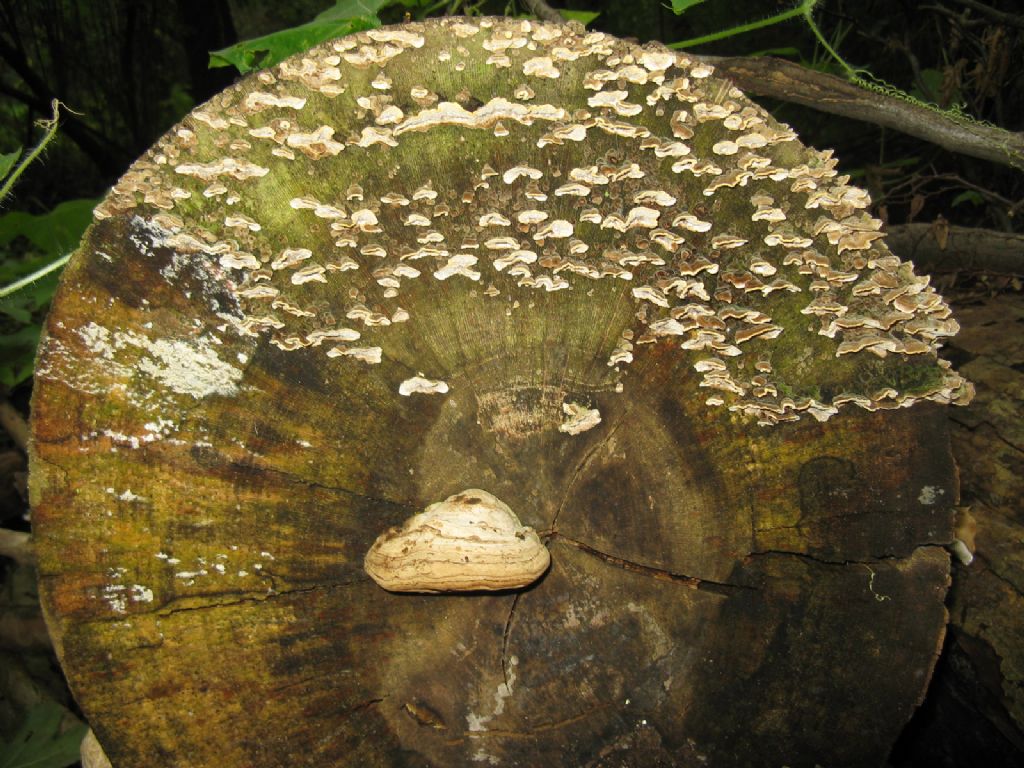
x=938 y=247
x=767 y=76
x=20 y=632
x=740 y=29
x=919 y=184
x=17 y=546
x=542 y=10
x=14 y=424
x=50 y=127
x=40 y=273
x=995 y=15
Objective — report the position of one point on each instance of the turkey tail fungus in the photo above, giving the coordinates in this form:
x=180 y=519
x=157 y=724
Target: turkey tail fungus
x=588 y=276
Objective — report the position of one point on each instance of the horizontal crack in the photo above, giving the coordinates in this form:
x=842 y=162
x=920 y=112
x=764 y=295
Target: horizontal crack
x=990 y=426
x=533 y=732
x=818 y=560
x=224 y=599
x=693 y=582
x=298 y=480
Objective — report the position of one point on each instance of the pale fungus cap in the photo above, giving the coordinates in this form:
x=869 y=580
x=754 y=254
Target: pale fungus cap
x=471 y=541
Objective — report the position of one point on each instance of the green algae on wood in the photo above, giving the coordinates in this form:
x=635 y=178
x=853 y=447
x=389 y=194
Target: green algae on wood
x=588 y=277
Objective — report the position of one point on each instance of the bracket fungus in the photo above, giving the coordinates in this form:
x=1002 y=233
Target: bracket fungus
x=470 y=541
x=588 y=275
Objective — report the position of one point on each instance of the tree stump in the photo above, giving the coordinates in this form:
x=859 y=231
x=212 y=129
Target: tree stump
x=587 y=277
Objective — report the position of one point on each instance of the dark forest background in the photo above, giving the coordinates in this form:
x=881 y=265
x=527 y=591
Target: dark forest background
x=125 y=71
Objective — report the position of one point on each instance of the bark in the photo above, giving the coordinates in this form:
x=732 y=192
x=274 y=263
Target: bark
x=542 y=10
x=974 y=714
x=939 y=247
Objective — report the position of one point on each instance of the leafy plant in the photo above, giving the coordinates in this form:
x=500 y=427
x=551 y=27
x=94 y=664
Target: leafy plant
x=804 y=10
x=41 y=743
x=11 y=169
x=7 y=162
x=344 y=18
x=583 y=17
x=28 y=281
x=680 y=7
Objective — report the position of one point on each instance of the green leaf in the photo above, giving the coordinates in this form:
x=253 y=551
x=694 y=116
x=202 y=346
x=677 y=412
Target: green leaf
x=14 y=373
x=344 y=18
x=679 y=7
x=931 y=82
x=54 y=233
x=17 y=363
x=40 y=744
x=783 y=51
x=18 y=312
x=968 y=197
x=7 y=162
x=583 y=17
x=352 y=9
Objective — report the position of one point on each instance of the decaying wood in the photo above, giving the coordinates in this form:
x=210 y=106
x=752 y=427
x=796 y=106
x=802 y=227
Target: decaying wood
x=14 y=424
x=974 y=712
x=16 y=545
x=988 y=606
x=939 y=247
x=780 y=79
x=589 y=278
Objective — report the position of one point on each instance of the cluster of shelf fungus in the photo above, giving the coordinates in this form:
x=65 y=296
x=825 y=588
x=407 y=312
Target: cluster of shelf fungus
x=514 y=158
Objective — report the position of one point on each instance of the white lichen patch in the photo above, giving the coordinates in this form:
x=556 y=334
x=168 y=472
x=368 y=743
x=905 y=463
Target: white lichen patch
x=183 y=366
x=476 y=723
x=126 y=495
x=121 y=597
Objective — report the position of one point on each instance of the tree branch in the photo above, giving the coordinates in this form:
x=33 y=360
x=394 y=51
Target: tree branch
x=542 y=10
x=17 y=546
x=14 y=424
x=938 y=247
x=767 y=76
x=999 y=17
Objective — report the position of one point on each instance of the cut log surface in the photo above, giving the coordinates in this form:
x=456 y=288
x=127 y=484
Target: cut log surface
x=589 y=278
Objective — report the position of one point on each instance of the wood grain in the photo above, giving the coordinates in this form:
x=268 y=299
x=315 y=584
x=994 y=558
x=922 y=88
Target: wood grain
x=206 y=484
